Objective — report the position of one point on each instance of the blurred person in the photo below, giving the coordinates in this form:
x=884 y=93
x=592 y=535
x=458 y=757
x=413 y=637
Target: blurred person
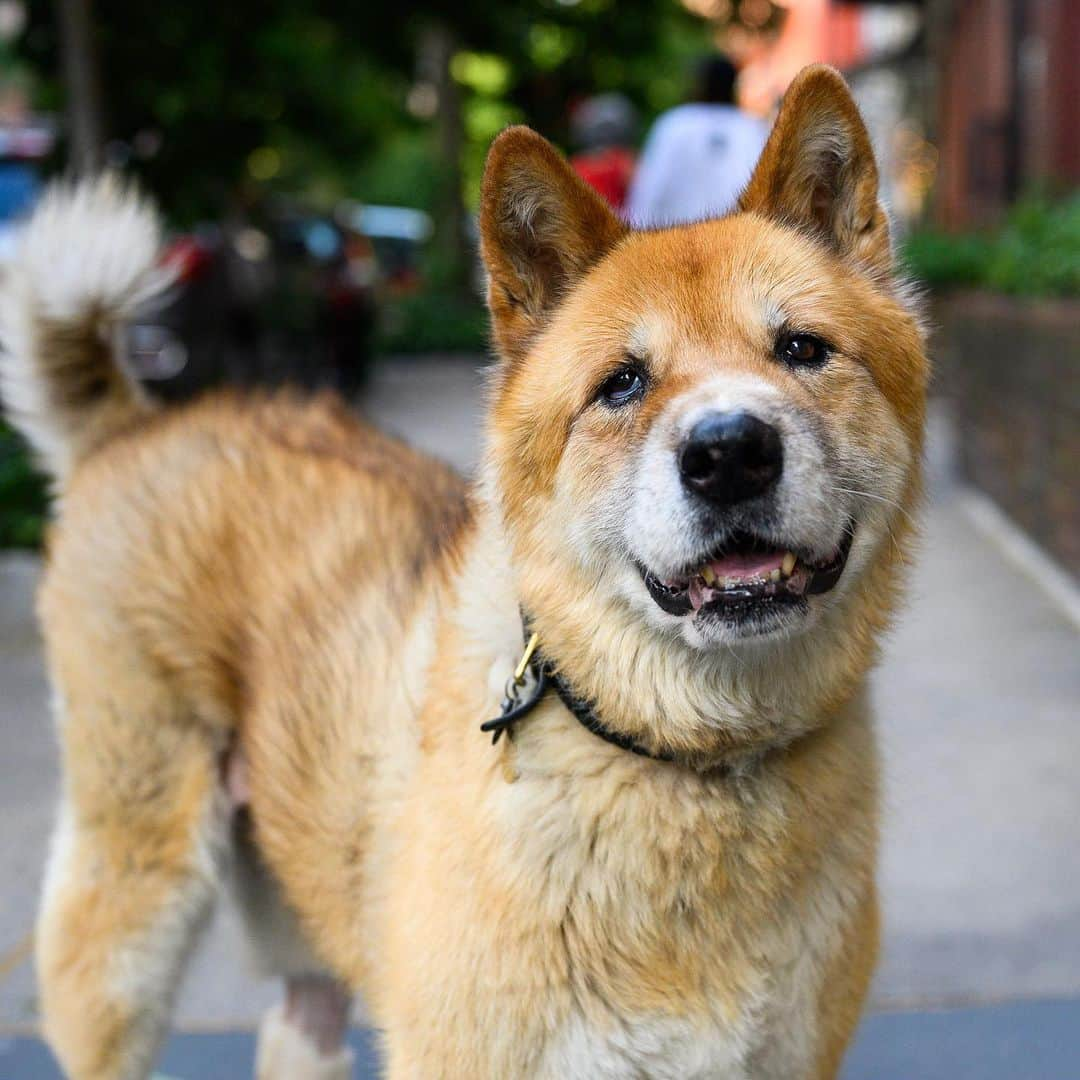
x=698 y=156
x=603 y=128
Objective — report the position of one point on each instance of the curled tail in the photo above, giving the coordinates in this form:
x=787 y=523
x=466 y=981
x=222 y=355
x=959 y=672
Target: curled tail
x=87 y=259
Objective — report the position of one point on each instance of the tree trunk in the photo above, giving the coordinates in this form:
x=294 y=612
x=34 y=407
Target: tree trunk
x=436 y=50
x=82 y=85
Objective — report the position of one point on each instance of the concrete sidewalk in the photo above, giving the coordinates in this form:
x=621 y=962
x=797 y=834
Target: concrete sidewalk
x=977 y=699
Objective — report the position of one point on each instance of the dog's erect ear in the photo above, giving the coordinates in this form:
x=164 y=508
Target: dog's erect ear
x=541 y=227
x=817 y=170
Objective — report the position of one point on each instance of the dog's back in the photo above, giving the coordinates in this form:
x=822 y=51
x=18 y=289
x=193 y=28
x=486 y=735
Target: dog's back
x=211 y=572
x=203 y=524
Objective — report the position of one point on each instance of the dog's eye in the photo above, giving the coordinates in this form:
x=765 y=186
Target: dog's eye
x=801 y=350
x=624 y=386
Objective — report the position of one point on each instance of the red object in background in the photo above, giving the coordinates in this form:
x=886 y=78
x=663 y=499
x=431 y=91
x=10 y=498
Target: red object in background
x=608 y=171
x=188 y=257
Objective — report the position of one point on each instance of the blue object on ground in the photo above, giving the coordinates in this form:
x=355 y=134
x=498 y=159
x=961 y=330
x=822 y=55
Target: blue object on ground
x=1019 y=1040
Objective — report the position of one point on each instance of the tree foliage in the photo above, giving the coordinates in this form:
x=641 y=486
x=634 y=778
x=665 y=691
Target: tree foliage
x=312 y=98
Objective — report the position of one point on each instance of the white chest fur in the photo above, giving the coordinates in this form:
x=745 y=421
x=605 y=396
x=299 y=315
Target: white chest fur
x=660 y=1048
x=766 y=1027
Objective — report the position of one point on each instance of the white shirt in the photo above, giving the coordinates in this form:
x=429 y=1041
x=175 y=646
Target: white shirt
x=696 y=161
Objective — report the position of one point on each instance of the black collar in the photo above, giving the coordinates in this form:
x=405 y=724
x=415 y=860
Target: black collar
x=520 y=701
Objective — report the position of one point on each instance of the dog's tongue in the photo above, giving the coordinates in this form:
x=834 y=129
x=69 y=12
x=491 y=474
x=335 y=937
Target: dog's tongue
x=732 y=570
x=748 y=566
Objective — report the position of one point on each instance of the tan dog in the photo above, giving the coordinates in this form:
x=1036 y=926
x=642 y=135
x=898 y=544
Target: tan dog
x=702 y=450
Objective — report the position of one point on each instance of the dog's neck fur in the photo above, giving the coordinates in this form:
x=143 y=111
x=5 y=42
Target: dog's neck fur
x=732 y=708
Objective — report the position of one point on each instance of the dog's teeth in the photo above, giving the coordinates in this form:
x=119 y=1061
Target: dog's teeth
x=708 y=575
x=774 y=575
x=788 y=565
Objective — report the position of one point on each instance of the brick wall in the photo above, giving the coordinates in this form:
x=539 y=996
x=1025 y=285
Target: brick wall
x=1009 y=83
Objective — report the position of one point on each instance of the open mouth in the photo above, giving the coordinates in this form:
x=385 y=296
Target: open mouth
x=746 y=575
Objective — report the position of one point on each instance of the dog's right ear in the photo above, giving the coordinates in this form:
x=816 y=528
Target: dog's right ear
x=541 y=228
x=817 y=171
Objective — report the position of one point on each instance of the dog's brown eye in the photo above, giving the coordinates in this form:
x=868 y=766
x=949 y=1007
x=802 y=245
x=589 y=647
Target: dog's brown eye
x=801 y=349
x=624 y=386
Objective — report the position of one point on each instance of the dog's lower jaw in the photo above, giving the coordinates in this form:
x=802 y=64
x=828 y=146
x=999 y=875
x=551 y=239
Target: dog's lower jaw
x=769 y=598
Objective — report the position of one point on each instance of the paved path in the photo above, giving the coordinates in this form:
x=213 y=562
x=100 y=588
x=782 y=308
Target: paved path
x=1026 y=1040
x=977 y=699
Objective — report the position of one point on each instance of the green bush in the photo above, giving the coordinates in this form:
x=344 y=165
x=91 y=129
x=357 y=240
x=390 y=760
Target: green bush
x=23 y=495
x=1036 y=252
x=433 y=321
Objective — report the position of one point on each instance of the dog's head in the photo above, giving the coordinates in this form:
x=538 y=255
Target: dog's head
x=715 y=428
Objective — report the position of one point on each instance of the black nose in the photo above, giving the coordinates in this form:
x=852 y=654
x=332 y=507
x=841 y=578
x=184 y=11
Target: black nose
x=731 y=456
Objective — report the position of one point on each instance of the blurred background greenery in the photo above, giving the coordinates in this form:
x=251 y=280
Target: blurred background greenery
x=325 y=100
x=1032 y=253
x=22 y=495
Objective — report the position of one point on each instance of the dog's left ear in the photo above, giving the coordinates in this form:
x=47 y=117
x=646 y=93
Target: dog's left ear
x=541 y=228
x=817 y=170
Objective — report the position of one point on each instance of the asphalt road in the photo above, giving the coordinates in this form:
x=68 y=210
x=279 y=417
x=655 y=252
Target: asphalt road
x=978 y=706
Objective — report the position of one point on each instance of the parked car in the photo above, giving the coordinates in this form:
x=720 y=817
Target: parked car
x=284 y=297
x=396 y=235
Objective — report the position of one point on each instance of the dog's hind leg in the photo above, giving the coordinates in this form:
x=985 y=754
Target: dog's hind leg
x=304 y=1037
x=133 y=869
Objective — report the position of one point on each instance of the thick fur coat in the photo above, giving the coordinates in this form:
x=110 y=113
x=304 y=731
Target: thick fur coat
x=270 y=577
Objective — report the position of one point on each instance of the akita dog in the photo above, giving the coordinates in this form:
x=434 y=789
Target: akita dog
x=702 y=454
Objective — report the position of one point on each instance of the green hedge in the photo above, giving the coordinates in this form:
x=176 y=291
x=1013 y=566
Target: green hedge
x=1036 y=252
x=23 y=496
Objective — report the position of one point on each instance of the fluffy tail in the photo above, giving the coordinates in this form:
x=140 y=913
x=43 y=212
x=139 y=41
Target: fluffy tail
x=87 y=259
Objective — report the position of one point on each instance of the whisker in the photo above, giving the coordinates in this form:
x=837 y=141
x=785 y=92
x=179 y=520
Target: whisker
x=887 y=502
x=837 y=489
